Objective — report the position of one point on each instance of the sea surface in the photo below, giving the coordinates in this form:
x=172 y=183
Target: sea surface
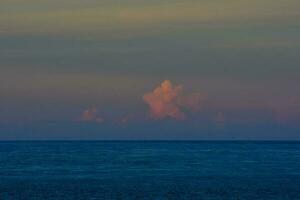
x=149 y=170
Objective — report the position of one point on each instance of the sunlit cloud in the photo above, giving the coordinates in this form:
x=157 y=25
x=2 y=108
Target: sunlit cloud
x=91 y=115
x=168 y=101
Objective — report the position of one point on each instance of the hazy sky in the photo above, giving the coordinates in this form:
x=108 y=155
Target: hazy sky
x=155 y=69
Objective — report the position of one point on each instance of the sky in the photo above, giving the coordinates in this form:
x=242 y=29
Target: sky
x=149 y=70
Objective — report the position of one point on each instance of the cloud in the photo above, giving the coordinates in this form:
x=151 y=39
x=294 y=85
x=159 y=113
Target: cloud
x=168 y=101
x=91 y=115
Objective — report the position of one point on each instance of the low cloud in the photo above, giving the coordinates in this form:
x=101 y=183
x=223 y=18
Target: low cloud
x=168 y=101
x=91 y=115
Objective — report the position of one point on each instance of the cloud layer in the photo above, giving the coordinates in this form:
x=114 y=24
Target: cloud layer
x=91 y=115
x=168 y=101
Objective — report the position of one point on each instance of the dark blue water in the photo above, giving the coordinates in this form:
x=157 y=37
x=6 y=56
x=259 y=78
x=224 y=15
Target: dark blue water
x=150 y=170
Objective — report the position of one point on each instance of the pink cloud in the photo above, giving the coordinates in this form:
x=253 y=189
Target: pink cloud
x=91 y=115
x=168 y=101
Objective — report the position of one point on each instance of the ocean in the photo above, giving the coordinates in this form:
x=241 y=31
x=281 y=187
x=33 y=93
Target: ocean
x=212 y=170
